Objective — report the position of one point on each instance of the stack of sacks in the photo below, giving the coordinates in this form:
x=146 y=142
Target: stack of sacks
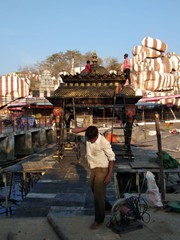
x=172 y=56
x=152 y=70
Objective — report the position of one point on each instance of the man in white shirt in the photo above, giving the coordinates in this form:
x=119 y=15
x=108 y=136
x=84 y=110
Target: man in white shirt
x=101 y=159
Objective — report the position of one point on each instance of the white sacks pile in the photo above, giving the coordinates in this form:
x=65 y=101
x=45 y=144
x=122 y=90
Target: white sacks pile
x=153 y=71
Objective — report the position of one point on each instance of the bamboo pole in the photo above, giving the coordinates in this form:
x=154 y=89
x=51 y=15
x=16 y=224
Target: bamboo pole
x=160 y=157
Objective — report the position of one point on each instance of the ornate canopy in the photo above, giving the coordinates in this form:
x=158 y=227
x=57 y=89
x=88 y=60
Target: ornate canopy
x=98 y=87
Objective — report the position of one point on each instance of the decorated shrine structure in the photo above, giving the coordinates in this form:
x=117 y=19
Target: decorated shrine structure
x=95 y=94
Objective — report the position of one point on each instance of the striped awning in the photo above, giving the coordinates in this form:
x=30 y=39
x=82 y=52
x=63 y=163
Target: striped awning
x=165 y=100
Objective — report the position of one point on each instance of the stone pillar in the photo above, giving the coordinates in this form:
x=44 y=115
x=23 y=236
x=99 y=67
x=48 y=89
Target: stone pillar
x=28 y=143
x=43 y=136
x=7 y=147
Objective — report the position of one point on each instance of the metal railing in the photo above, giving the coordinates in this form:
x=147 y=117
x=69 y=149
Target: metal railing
x=8 y=126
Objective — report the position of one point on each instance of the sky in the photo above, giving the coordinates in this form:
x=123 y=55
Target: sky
x=31 y=31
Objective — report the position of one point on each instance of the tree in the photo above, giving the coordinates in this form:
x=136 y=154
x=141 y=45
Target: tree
x=24 y=71
x=112 y=64
x=60 y=62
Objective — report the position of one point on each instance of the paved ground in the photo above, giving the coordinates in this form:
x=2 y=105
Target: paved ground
x=162 y=226
x=60 y=205
x=26 y=229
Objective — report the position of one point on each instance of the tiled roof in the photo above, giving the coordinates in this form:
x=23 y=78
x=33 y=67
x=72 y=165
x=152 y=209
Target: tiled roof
x=93 y=78
x=91 y=91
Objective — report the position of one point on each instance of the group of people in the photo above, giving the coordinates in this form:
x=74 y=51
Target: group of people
x=126 y=68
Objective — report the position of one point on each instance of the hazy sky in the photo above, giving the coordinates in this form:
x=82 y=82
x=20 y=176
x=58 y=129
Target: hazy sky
x=35 y=29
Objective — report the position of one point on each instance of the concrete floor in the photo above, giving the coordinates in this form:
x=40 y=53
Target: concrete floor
x=60 y=205
x=162 y=226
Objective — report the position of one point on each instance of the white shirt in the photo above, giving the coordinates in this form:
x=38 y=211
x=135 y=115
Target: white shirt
x=99 y=153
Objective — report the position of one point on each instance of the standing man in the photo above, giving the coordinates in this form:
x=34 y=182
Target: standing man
x=126 y=68
x=101 y=159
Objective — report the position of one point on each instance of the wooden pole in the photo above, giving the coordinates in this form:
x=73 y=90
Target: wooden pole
x=160 y=157
x=144 y=121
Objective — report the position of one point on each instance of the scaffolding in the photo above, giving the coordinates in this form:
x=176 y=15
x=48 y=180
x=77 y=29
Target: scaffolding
x=119 y=105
